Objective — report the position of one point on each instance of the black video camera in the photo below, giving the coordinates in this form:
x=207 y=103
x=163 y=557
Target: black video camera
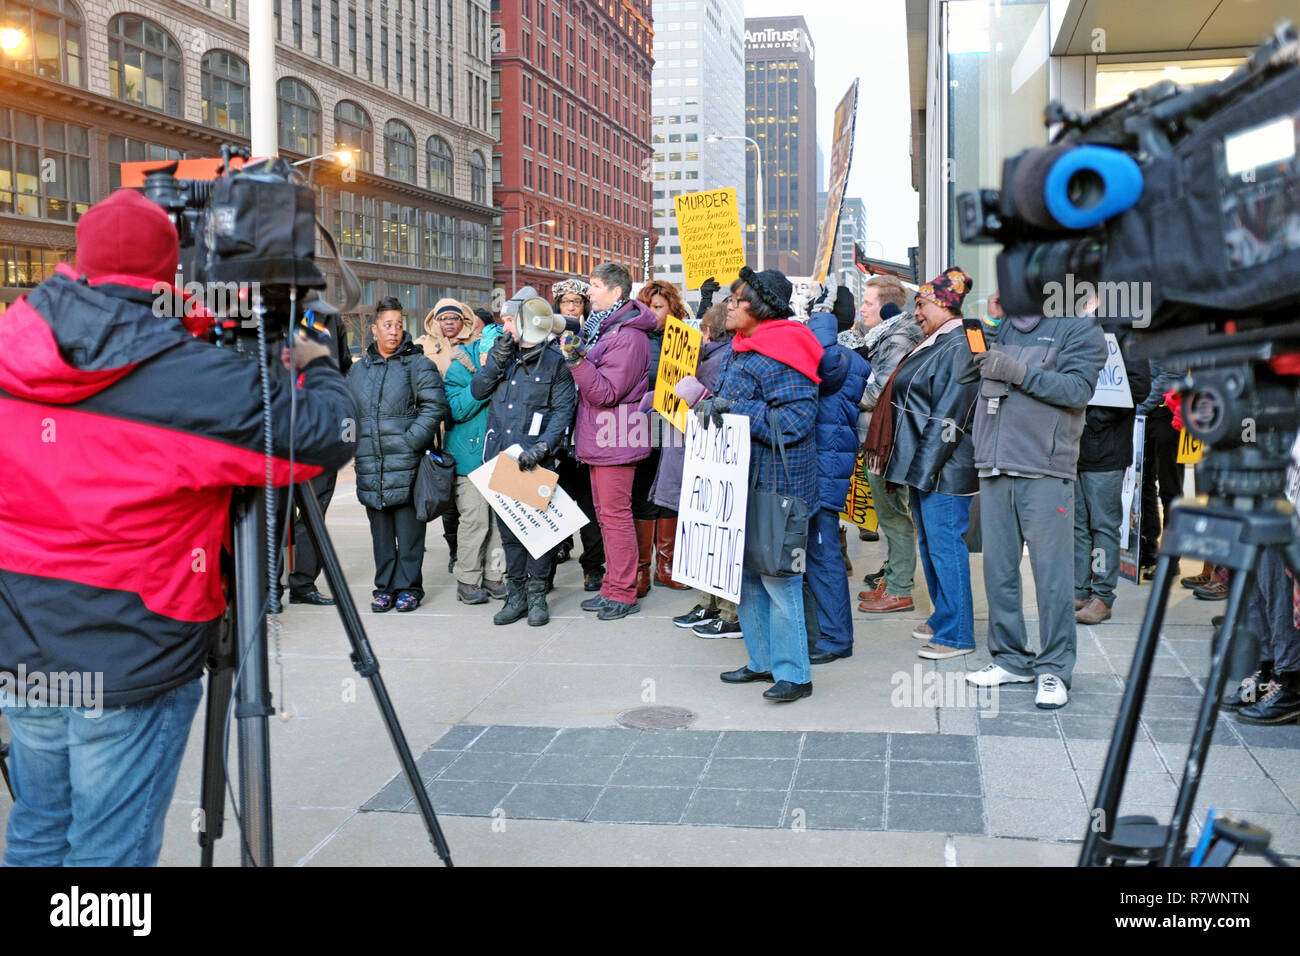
x=1179 y=204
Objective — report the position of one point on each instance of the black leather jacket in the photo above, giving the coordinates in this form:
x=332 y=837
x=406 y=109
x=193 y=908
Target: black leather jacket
x=933 y=449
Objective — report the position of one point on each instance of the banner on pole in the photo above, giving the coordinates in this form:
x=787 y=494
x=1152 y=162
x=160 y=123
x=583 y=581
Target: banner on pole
x=1130 y=529
x=708 y=225
x=677 y=359
x=841 y=155
x=858 y=508
x=709 y=552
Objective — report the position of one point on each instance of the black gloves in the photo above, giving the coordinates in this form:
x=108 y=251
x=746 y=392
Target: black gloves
x=532 y=457
x=503 y=349
x=708 y=288
x=713 y=408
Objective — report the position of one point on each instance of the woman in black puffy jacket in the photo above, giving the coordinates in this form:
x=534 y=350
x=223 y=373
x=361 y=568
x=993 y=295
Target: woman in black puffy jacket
x=401 y=402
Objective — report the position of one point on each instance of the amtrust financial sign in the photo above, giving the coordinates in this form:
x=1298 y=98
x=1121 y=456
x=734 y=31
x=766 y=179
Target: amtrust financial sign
x=772 y=39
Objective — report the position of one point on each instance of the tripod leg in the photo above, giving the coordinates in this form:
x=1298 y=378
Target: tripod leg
x=363 y=659
x=221 y=673
x=1209 y=713
x=1111 y=786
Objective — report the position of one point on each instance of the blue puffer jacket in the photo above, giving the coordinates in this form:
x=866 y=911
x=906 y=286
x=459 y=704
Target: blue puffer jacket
x=844 y=375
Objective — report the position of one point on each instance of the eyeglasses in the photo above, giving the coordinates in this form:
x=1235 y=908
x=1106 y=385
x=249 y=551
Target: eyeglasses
x=571 y=300
x=735 y=300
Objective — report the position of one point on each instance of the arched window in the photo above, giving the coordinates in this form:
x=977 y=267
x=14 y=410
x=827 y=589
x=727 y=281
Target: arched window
x=353 y=130
x=299 y=117
x=477 y=178
x=439 y=160
x=144 y=64
x=399 y=151
x=225 y=92
x=51 y=44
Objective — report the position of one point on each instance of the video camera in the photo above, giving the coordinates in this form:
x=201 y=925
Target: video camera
x=1193 y=192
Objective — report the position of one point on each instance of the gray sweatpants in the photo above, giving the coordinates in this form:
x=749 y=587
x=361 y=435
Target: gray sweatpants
x=1039 y=512
x=1098 y=508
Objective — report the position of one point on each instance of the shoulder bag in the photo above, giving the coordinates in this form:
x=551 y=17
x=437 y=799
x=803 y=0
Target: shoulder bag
x=776 y=525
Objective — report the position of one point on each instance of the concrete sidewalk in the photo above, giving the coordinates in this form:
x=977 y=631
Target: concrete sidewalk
x=891 y=761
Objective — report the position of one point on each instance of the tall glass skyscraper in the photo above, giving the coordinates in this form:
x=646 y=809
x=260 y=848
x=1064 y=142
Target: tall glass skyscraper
x=698 y=90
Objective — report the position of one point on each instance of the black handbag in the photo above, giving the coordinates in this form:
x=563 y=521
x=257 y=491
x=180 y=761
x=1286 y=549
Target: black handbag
x=434 y=492
x=776 y=525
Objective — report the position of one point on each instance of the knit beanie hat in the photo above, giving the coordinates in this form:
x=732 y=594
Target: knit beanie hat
x=127 y=235
x=844 y=309
x=947 y=289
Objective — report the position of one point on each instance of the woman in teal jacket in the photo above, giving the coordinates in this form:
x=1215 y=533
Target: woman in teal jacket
x=480 y=559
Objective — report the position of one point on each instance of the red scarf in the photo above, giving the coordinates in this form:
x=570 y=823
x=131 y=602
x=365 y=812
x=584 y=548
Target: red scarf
x=789 y=342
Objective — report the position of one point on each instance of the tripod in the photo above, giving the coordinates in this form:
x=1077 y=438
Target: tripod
x=1244 y=515
x=246 y=618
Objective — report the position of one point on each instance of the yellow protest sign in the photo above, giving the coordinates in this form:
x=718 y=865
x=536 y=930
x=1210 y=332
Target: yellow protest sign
x=677 y=359
x=858 y=508
x=708 y=225
x=1190 y=450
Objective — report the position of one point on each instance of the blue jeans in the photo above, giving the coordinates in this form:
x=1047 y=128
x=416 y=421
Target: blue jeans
x=771 y=616
x=92 y=789
x=941 y=522
x=830 y=584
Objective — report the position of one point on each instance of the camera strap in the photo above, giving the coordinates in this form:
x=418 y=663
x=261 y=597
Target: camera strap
x=351 y=287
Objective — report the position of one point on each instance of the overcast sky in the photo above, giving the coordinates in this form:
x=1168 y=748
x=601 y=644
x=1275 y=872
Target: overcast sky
x=866 y=39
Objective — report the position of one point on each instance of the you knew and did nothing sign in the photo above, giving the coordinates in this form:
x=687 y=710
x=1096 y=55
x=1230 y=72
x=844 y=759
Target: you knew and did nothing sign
x=709 y=552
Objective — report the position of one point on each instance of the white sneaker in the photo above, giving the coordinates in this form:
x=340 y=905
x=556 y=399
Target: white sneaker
x=1051 y=692
x=993 y=675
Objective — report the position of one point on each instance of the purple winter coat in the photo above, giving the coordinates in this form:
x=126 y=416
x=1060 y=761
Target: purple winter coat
x=666 y=492
x=611 y=379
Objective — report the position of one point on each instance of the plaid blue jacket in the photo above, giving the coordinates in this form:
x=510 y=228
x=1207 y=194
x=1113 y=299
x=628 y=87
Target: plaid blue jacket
x=756 y=384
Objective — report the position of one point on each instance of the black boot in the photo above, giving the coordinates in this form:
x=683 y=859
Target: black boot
x=516 y=605
x=1278 y=703
x=538 y=612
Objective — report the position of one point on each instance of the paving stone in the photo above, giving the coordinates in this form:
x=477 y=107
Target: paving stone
x=654 y=771
x=824 y=810
x=472 y=765
x=432 y=762
x=596 y=741
x=934 y=814
x=1058 y=819
x=844 y=746
x=736 y=808
x=544 y=801
x=1252 y=793
x=1087 y=726
x=948 y=778
x=458 y=737
x=1092 y=705
x=1057 y=782
x=1149 y=789
x=759 y=743
x=572 y=769
x=1095 y=684
x=514 y=740
x=840 y=775
x=951 y=747
x=1175 y=731
x=675 y=743
x=1285 y=737
x=748 y=773
x=1173 y=686
x=1091 y=755
x=1022 y=752
x=393 y=797
x=464 y=797
x=641 y=804
x=1184 y=707
x=1039 y=724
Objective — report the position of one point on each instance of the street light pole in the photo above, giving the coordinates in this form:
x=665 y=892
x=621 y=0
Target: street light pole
x=514 y=250
x=760 y=219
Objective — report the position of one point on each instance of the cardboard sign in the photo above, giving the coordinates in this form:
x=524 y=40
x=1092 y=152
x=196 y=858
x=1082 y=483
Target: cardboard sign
x=534 y=488
x=1112 y=382
x=708 y=225
x=1190 y=450
x=537 y=531
x=858 y=508
x=709 y=551
x=678 y=358
x=1130 y=529
x=841 y=155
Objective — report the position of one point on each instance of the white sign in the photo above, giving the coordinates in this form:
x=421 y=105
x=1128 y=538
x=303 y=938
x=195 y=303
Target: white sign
x=537 y=531
x=1112 y=383
x=709 y=552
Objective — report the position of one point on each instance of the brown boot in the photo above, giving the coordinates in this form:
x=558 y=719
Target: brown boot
x=645 y=548
x=1199 y=580
x=1094 y=612
x=665 y=538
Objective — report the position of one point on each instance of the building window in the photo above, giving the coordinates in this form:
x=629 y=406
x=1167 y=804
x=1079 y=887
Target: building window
x=352 y=38
x=44 y=167
x=299 y=117
x=399 y=151
x=122 y=150
x=295 y=22
x=334 y=32
x=354 y=226
x=225 y=92
x=473 y=248
x=23 y=267
x=439 y=165
x=144 y=64
x=477 y=178
x=52 y=40
x=353 y=130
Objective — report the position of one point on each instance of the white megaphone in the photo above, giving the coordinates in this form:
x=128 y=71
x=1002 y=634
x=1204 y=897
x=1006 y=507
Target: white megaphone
x=535 y=321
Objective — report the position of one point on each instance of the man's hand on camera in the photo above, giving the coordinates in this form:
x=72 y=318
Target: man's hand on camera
x=532 y=457
x=305 y=351
x=503 y=349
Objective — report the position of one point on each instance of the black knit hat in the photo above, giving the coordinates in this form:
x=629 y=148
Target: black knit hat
x=772 y=287
x=844 y=309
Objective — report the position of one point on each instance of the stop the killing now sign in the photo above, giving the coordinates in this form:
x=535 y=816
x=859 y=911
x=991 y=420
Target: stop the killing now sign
x=709 y=552
x=677 y=359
